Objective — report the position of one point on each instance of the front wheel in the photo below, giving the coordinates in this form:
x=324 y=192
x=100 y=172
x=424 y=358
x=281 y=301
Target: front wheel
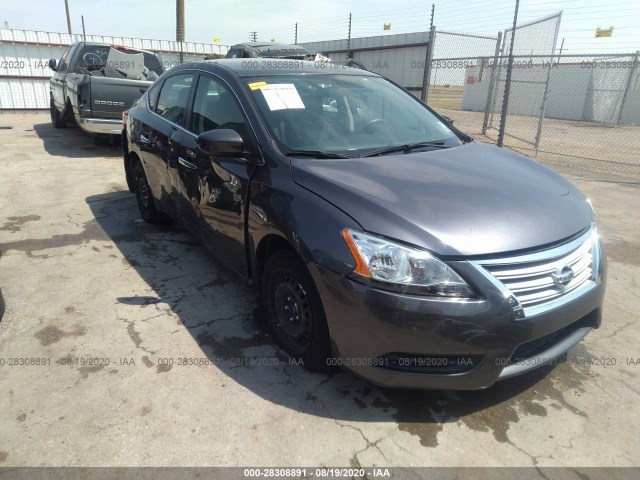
x=294 y=310
x=57 y=120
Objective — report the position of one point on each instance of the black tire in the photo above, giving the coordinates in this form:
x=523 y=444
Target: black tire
x=293 y=310
x=146 y=205
x=57 y=120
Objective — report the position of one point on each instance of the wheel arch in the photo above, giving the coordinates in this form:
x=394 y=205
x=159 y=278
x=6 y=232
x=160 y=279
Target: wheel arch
x=301 y=221
x=267 y=246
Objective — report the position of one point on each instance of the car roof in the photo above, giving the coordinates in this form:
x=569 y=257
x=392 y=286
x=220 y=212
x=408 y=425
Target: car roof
x=270 y=46
x=252 y=67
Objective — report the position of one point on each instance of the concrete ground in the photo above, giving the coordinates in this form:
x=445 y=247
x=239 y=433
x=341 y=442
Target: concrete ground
x=99 y=304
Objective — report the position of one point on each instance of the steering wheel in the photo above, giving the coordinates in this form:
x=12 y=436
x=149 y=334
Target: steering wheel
x=371 y=123
x=91 y=60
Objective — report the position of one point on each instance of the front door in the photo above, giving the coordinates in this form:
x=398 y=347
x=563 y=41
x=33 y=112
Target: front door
x=215 y=190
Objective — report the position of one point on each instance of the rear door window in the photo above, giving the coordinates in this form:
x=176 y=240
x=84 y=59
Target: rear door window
x=174 y=98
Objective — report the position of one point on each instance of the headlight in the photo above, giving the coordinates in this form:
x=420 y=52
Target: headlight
x=403 y=268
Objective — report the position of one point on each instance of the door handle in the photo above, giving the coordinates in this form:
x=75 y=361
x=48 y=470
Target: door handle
x=144 y=139
x=186 y=164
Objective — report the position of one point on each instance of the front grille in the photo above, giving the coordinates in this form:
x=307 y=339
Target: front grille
x=536 y=281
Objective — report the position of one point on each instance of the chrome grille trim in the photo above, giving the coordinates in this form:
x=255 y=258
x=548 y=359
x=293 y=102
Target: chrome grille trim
x=527 y=279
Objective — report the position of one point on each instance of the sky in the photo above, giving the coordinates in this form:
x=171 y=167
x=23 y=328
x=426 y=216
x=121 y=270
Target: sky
x=232 y=21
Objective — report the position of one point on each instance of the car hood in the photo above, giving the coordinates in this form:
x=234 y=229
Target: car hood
x=470 y=200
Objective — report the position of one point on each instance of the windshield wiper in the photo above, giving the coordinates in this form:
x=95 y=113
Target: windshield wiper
x=405 y=148
x=314 y=154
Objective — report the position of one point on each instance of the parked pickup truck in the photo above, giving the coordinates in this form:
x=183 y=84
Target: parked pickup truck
x=94 y=83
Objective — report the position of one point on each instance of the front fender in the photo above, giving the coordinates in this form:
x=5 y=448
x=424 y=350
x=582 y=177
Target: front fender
x=310 y=224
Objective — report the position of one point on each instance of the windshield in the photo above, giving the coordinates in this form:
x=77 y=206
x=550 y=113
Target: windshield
x=347 y=115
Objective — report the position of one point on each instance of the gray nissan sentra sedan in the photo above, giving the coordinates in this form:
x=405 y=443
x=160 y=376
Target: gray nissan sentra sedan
x=382 y=239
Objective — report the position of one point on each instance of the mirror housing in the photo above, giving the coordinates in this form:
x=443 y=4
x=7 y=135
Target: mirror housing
x=53 y=64
x=221 y=143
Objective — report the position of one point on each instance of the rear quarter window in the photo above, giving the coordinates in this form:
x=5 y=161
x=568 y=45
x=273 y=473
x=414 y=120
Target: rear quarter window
x=152 y=96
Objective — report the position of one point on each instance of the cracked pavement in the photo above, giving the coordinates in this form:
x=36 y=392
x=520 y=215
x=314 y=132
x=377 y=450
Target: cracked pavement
x=152 y=354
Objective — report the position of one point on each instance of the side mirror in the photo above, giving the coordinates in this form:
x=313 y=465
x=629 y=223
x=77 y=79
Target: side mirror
x=449 y=120
x=53 y=64
x=221 y=143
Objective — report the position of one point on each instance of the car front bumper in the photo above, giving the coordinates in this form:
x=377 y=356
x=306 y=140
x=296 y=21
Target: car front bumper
x=444 y=343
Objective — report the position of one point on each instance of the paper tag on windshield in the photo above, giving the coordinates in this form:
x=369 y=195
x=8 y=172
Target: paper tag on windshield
x=281 y=96
x=257 y=85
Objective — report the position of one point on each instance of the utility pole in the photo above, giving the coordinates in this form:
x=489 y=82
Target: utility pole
x=349 y=39
x=180 y=25
x=253 y=36
x=296 y=41
x=66 y=6
x=84 y=34
x=507 y=80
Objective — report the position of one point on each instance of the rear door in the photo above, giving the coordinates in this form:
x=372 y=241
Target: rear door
x=159 y=138
x=214 y=191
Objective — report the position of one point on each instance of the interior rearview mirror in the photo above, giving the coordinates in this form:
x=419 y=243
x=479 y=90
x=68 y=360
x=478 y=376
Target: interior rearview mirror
x=53 y=64
x=221 y=143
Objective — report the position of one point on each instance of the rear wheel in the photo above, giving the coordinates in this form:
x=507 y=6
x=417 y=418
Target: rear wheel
x=293 y=310
x=57 y=120
x=146 y=205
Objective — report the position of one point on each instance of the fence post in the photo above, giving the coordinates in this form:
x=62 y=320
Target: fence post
x=507 y=82
x=349 y=39
x=426 y=76
x=632 y=70
x=426 y=79
x=492 y=84
x=545 y=94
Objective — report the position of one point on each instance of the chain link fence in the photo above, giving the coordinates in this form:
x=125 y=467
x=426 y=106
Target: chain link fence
x=577 y=111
